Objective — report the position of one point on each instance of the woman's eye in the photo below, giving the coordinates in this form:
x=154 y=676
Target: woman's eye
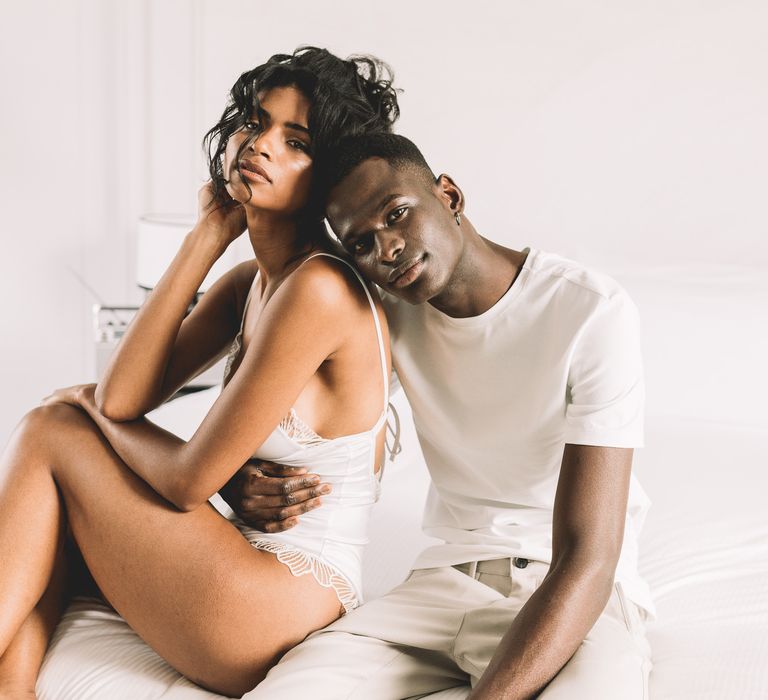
x=251 y=126
x=298 y=145
x=395 y=214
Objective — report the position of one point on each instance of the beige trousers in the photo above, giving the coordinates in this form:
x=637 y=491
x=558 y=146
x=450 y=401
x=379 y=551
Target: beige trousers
x=438 y=631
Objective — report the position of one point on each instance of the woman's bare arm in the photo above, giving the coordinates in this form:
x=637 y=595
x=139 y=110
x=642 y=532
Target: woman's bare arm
x=155 y=357
x=313 y=302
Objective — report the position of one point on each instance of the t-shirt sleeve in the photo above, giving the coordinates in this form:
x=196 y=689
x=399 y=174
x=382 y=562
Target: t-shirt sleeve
x=606 y=388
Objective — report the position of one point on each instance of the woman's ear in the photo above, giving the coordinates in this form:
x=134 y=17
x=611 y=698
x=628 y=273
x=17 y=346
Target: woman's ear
x=450 y=193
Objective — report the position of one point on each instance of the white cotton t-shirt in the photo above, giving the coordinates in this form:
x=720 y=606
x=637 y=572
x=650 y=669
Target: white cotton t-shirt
x=496 y=397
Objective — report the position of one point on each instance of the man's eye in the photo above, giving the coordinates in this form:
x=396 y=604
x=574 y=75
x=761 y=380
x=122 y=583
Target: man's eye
x=395 y=214
x=361 y=245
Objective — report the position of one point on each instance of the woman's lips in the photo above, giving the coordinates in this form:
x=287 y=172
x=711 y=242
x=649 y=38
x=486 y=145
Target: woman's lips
x=253 y=172
x=408 y=275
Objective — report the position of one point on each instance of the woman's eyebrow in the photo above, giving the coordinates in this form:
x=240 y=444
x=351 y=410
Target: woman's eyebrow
x=297 y=127
x=263 y=114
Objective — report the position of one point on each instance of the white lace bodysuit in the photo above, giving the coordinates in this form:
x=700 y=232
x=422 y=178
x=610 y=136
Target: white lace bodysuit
x=328 y=541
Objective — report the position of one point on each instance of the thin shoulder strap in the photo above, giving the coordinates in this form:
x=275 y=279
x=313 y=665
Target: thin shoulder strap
x=379 y=334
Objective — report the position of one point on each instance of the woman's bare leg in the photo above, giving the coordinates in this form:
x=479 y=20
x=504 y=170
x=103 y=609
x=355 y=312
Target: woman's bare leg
x=30 y=529
x=20 y=665
x=216 y=609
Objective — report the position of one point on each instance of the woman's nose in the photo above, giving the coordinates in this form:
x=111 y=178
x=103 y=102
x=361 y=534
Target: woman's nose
x=261 y=145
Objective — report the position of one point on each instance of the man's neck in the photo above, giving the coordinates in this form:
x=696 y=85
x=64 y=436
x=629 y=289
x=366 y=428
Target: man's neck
x=483 y=275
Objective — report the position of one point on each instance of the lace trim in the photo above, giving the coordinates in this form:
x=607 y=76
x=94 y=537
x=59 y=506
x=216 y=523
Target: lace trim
x=301 y=563
x=234 y=349
x=298 y=430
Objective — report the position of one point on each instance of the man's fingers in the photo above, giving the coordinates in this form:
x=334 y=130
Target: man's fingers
x=271 y=497
x=286 y=499
x=281 y=470
x=274 y=486
x=280 y=513
x=250 y=470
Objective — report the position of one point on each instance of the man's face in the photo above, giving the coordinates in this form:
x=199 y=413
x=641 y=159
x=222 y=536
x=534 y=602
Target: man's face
x=399 y=228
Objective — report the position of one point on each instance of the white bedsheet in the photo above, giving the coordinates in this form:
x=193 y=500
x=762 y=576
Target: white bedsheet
x=704 y=552
x=704 y=549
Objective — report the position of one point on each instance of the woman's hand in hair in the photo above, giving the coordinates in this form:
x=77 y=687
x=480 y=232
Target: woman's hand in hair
x=222 y=219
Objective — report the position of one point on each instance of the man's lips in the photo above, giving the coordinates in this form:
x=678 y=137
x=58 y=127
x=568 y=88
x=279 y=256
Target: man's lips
x=253 y=171
x=406 y=273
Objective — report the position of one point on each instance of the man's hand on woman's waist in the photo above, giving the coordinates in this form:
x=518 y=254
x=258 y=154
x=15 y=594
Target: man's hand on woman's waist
x=270 y=497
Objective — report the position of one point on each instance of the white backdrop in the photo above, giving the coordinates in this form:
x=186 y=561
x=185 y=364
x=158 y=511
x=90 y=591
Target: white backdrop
x=610 y=130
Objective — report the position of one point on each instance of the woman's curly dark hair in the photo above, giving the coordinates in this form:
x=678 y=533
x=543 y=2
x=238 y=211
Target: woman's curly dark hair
x=347 y=97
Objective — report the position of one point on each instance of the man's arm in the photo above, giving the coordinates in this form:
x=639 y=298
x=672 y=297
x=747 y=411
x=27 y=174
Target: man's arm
x=588 y=530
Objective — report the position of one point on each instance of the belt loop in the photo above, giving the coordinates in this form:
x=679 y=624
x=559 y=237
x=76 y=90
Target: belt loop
x=472 y=569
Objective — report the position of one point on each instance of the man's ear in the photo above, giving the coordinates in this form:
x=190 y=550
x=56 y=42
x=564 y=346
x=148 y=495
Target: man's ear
x=450 y=193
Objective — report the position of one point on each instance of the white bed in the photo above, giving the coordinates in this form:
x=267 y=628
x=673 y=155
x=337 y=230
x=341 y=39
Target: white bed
x=704 y=548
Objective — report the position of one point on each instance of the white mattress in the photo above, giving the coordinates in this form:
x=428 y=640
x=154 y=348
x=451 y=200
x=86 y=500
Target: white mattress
x=704 y=549
x=704 y=552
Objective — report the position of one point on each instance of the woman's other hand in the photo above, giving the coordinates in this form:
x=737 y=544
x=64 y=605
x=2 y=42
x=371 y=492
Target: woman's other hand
x=270 y=497
x=223 y=221
x=73 y=395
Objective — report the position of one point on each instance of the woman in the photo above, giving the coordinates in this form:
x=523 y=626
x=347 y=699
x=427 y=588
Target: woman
x=307 y=358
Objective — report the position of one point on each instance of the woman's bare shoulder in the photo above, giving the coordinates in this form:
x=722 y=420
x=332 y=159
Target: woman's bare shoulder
x=330 y=281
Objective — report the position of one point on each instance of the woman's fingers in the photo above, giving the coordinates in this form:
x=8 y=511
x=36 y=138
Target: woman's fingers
x=69 y=395
x=222 y=217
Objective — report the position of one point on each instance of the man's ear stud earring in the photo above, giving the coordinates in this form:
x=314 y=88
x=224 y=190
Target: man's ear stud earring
x=457 y=216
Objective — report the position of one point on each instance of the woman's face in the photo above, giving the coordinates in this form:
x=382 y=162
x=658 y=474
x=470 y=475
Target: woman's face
x=276 y=165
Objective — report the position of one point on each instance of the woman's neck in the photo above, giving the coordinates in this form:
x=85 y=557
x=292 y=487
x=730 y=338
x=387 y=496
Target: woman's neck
x=275 y=240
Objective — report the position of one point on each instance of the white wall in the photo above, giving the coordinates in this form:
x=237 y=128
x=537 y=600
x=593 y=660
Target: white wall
x=69 y=185
x=605 y=130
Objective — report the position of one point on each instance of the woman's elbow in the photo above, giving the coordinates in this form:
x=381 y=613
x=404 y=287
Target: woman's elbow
x=113 y=408
x=186 y=503
x=117 y=413
x=185 y=496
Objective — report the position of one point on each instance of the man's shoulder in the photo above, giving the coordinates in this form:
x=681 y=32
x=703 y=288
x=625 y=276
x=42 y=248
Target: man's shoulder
x=549 y=284
x=572 y=277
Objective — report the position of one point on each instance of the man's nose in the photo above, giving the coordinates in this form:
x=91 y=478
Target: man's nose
x=391 y=246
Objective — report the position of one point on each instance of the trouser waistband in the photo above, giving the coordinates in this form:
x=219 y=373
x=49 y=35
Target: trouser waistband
x=501 y=567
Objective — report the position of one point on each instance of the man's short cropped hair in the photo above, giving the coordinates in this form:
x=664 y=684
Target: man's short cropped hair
x=398 y=151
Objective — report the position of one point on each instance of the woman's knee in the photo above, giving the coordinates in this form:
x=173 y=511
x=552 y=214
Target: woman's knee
x=46 y=425
x=50 y=416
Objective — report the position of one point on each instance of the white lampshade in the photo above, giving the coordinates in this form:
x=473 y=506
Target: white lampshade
x=159 y=238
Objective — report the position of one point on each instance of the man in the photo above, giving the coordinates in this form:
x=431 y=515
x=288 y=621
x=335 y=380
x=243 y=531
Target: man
x=524 y=374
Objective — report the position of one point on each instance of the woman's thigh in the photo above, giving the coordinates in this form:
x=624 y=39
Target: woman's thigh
x=218 y=610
